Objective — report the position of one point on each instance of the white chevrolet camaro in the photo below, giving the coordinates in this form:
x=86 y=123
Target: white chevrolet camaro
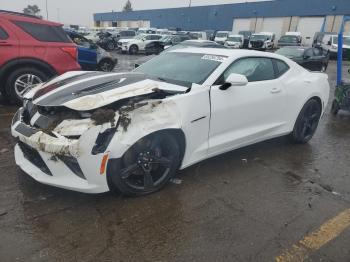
x=93 y=132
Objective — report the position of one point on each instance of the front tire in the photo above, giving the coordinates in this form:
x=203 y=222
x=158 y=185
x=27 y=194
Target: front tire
x=21 y=80
x=133 y=50
x=106 y=65
x=307 y=122
x=148 y=165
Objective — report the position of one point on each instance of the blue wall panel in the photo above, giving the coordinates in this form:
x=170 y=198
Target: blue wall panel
x=221 y=16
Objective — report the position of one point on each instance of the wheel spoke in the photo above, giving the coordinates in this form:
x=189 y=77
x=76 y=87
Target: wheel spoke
x=20 y=83
x=163 y=161
x=126 y=172
x=148 y=180
x=314 y=116
x=24 y=90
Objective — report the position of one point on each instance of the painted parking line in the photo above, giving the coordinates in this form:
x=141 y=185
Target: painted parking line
x=316 y=239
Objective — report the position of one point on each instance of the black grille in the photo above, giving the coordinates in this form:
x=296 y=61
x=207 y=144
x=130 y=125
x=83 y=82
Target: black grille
x=257 y=44
x=34 y=157
x=73 y=165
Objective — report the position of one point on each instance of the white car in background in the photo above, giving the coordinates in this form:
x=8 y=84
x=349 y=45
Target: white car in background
x=330 y=43
x=198 y=35
x=234 y=41
x=139 y=43
x=93 y=132
x=262 y=41
x=221 y=37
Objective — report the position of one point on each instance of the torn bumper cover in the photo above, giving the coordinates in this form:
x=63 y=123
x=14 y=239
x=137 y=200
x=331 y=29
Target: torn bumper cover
x=61 y=158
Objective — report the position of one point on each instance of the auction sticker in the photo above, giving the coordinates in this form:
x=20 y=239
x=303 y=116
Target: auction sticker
x=214 y=58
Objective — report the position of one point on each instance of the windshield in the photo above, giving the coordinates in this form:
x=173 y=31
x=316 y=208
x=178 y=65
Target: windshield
x=234 y=39
x=184 y=67
x=291 y=52
x=139 y=37
x=221 y=35
x=289 y=39
x=346 y=40
x=258 y=37
x=166 y=38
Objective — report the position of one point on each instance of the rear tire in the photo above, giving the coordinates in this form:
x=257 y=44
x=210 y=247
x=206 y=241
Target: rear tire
x=21 y=80
x=307 y=122
x=147 y=166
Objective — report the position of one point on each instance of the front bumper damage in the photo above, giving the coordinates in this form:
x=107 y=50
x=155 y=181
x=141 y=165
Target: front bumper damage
x=58 y=158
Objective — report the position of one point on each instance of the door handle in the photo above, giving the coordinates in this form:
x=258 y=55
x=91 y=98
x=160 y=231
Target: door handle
x=276 y=90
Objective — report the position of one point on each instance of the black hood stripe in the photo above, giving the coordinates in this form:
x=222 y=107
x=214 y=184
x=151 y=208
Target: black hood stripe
x=63 y=82
x=89 y=87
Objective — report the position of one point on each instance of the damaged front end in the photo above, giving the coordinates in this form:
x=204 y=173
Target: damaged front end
x=68 y=145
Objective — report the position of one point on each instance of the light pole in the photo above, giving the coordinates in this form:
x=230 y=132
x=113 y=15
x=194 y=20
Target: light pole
x=58 y=15
x=47 y=11
x=190 y=3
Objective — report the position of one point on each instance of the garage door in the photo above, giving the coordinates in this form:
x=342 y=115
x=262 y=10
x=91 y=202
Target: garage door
x=347 y=27
x=240 y=24
x=274 y=25
x=308 y=26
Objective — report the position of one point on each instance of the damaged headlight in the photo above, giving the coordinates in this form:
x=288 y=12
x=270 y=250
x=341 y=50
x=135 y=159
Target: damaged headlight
x=103 y=140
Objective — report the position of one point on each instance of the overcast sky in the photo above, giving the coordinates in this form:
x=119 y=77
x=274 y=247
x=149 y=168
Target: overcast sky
x=80 y=11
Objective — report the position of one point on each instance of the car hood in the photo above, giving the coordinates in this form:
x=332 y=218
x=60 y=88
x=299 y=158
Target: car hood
x=83 y=91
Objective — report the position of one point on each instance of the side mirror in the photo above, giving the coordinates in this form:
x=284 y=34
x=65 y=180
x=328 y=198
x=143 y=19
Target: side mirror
x=306 y=57
x=234 y=80
x=329 y=43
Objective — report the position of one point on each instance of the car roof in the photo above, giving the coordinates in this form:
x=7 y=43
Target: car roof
x=232 y=53
x=199 y=41
x=26 y=18
x=297 y=47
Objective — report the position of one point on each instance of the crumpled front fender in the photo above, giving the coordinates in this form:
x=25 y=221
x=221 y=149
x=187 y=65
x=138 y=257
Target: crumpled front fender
x=134 y=125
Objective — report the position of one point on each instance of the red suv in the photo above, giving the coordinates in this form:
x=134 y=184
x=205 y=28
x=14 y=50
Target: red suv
x=32 y=51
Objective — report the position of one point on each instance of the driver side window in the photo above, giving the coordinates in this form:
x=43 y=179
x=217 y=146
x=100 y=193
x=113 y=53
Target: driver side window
x=254 y=68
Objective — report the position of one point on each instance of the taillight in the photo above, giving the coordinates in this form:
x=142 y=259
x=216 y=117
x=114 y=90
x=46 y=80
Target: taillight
x=71 y=50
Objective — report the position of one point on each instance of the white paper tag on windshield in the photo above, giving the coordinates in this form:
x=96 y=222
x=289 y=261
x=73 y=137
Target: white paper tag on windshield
x=214 y=58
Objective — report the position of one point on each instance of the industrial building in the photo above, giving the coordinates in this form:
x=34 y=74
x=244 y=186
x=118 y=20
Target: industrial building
x=278 y=16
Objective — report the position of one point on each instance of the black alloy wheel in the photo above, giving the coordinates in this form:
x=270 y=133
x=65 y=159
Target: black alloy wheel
x=148 y=165
x=307 y=122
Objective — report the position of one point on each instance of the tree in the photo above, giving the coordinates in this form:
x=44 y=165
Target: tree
x=127 y=7
x=32 y=10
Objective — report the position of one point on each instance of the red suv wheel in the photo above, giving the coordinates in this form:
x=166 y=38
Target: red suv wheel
x=21 y=80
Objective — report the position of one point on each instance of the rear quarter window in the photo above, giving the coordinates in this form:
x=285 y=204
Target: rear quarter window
x=44 y=33
x=3 y=34
x=281 y=68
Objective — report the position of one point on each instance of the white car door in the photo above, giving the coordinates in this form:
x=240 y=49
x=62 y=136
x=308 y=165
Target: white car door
x=242 y=115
